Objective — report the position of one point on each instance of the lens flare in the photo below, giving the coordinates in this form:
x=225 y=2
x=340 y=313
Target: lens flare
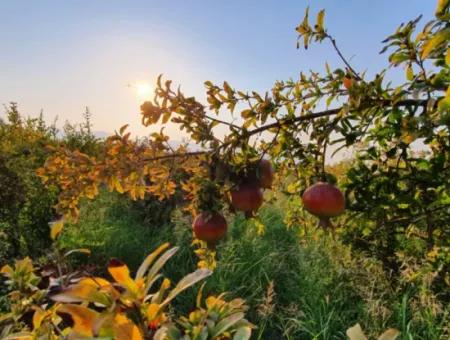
x=143 y=90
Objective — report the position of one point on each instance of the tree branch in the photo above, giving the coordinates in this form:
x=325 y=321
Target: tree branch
x=175 y=155
x=333 y=42
x=288 y=121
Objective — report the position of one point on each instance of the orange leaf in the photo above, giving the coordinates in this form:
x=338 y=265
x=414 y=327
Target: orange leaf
x=121 y=274
x=125 y=329
x=83 y=318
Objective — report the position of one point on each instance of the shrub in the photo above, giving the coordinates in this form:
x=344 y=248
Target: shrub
x=127 y=308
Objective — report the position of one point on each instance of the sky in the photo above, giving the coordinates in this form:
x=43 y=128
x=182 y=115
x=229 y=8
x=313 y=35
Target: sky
x=63 y=56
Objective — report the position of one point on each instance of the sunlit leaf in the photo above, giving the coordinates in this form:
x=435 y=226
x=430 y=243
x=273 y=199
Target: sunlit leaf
x=356 y=333
x=121 y=274
x=83 y=318
x=390 y=334
x=436 y=40
x=320 y=17
x=156 y=267
x=56 y=228
x=125 y=329
x=186 y=282
x=441 y=8
x=149 y=260
x=226 y=323
x=243 y=333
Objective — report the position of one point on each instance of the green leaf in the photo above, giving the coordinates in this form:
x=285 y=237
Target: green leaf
x=167 y=332
x=186 y=282
x=243 y=333
x=226 y=323
x=81 y=251
x=409 y=73
x=398 y=58
x=149 y=260
x=161 y=262
x=435 y=41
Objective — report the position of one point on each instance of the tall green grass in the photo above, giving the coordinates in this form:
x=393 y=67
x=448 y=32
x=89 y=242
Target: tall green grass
x=296 y=288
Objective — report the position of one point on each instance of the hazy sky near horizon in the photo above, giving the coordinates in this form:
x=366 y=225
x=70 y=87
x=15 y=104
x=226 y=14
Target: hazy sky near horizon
x=61 y=56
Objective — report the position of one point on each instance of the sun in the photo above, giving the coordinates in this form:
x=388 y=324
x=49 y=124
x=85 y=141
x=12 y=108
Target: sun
x=143 y=90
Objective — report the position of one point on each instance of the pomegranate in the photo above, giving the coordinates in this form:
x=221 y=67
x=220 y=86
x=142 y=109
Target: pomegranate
x=210 y=227
x=323 y=200
x=348 y=82
x=247 y=197
x=266 y=174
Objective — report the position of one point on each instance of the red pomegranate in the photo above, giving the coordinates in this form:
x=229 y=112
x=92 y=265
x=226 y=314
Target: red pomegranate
x=247 y=197
x=210 y=227
x=266 y=174
x=323 y=200
x=348 y=82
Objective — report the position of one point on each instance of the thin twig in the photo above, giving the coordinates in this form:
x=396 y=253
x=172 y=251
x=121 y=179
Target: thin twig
x=333 y=42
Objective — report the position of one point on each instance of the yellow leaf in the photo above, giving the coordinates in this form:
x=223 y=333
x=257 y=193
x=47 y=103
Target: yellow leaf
x=121 y=274
x=38 y=316
x=292 y=187
x=390 y=334
x=24 y=265
x=152 y=311
x=409 y=73
x=441 y=8
x=56 y=228
x=435 y=41
x=356 y=333
x=447 y=57
x=94 y=281
x=202 y=264
x=125 y=329
x=118 y=186
x=320 y=17
x=83 y=318
x=7 y=270
x=75 y=293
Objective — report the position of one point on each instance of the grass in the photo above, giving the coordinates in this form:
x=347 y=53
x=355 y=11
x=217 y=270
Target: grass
x=296 y=288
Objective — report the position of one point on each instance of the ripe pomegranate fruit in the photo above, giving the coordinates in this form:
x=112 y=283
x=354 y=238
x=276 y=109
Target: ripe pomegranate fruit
x=266 y=174
x=323 y=200
x=247 y=197
x=348 y=82
x=210 y=227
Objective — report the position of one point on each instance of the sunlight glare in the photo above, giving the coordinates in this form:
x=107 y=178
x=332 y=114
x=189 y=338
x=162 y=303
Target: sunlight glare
x=144 y=90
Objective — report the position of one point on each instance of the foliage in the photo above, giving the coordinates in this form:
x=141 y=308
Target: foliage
x=404 y=191
x=26 y=204
x=397 y=190
x=80 y=136
x=127 y=308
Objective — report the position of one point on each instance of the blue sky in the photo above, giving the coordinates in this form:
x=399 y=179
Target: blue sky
x=61 y=56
